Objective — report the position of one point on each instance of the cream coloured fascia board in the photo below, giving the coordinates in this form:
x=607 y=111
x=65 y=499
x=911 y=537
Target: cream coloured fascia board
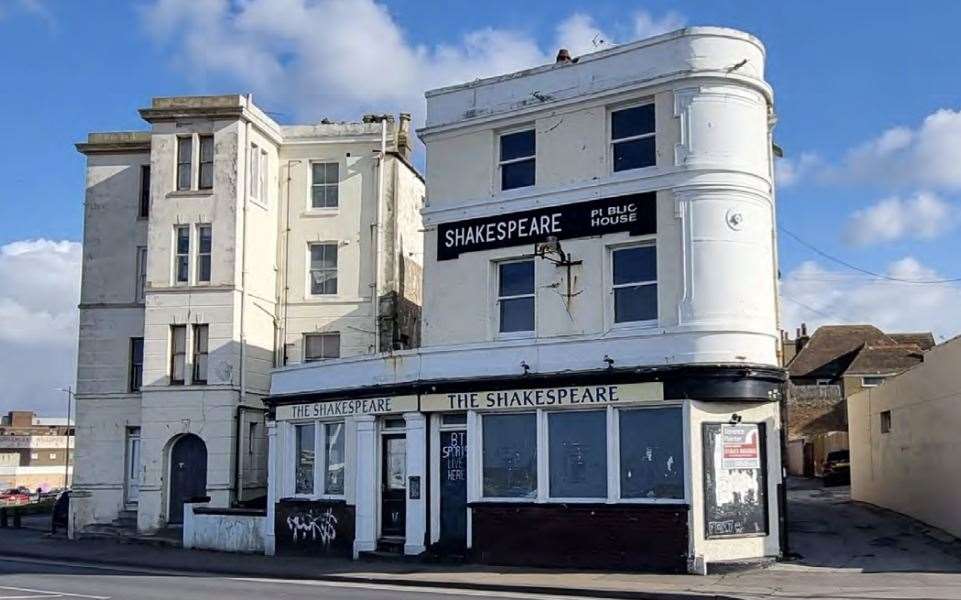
x=624 y=182
x=634 y=87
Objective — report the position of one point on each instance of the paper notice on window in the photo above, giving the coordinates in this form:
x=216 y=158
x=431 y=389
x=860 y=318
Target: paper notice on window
x=741 y=447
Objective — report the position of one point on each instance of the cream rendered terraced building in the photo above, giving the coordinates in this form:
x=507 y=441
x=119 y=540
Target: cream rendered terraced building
x=219 y=244
x=599 y=381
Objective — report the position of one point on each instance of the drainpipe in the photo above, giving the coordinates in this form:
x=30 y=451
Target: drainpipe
x=377 y=237
x=243 y=268
x=286 y=297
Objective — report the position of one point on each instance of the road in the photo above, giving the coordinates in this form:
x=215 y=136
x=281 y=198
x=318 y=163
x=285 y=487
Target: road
x=829 y=530
x=38 y=580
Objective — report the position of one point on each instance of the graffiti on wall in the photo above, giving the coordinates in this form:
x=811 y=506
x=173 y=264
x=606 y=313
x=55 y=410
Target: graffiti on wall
x=314 y=527
x=320 y=527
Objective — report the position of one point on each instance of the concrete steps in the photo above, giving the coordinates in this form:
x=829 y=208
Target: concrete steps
x=124 y=529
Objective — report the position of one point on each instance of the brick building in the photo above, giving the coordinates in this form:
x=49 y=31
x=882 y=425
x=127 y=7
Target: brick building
x=35 y=452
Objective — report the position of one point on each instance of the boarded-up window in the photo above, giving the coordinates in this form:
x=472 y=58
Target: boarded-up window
x=652 y=453
x=510 y=456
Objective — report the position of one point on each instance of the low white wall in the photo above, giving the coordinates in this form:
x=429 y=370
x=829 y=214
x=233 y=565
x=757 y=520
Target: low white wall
x=913 y=467
x=233 y=532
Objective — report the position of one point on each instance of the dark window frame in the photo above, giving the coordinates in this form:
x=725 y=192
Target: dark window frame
x=203 y=259
x=886 y=422
x=630 y=139
x=326 y=185
x=184 y=169
x=176 y=355
x=323 y=269
x=505 y=164
x=633 y=284
x=141 y=284
x=205 y=164
x=322 y=335
x=198 y=378
x=181 y=259
x=501 y=297
x=136 y=368
x=144 y=208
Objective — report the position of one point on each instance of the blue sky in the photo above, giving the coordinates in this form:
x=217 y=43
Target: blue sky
x=844 y=74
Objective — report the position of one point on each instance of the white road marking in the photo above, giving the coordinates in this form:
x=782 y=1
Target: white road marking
x=47 y=593
x=426 y=588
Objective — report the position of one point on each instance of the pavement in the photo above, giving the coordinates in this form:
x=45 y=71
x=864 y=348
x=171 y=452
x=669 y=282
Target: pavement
x=847 y=551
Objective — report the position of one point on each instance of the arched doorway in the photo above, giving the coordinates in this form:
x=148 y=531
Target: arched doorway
x=188 y=474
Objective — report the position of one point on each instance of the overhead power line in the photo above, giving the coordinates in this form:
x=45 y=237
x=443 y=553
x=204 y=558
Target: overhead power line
x=844 y=263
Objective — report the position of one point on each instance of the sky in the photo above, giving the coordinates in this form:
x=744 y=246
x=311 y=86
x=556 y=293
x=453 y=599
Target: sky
x=867 y=96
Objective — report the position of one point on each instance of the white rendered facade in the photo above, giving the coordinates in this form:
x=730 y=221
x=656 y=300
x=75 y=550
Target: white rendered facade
x=210 y=269
x=709 y=192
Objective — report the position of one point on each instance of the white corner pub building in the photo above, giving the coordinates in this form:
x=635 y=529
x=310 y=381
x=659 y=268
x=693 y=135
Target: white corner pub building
x=598 y=384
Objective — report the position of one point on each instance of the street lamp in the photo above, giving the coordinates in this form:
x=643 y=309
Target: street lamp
x=66 y=455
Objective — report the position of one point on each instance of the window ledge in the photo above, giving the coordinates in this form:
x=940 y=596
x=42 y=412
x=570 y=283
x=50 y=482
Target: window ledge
x=334 y=299
x=515 y=335
x=639 y=326
x=189 y=193
x=319 y=212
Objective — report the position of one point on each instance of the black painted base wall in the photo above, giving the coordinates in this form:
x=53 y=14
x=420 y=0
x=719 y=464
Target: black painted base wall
x=314 y=528
x=595 y=536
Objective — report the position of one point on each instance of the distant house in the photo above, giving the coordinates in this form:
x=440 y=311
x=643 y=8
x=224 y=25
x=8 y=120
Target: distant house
x=854 y=356
x=829 y=366
x=35 y=452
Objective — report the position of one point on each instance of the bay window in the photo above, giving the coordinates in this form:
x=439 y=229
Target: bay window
x=319 y=459
x=629 y=454
x=577 y=453
x=651 y=453
x=304 y=458
x=510 y=456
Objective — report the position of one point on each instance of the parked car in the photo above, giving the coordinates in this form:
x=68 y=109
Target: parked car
x=61 y=511
x=837 y=468
x=14 y=497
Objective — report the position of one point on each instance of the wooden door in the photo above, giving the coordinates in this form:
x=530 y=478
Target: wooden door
x=394 y=485
x=188 y=474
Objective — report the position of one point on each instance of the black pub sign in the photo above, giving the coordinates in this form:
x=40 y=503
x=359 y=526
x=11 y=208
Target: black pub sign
x=636 y=213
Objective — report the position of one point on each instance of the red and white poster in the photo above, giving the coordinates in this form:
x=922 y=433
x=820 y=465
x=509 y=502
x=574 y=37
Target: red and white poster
x=741 y=447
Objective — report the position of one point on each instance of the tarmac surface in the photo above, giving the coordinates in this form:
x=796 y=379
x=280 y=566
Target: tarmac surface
x=846 y=550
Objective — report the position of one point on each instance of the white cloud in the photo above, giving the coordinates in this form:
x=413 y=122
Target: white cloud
x=34 y=8
x=645 y=25
x=580 y=35
x=924 y=216
x=39 y=292
x=340 y=58
x=789 y=171
x=927 y=156
x=818 y=296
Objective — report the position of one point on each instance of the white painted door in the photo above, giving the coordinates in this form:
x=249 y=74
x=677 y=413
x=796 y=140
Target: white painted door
x=133 y=466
